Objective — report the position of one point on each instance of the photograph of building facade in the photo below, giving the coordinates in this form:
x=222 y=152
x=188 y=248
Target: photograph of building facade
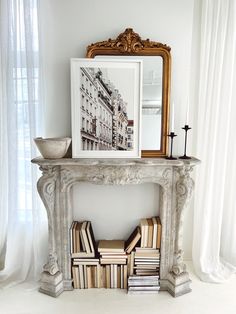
x=130 y=132
x=104 y=120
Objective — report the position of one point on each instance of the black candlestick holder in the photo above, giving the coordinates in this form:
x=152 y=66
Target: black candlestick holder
x=186 y=128
x=171 y=135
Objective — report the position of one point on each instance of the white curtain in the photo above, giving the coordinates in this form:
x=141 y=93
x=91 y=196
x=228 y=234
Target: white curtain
x=22 y=218
x=214 y=243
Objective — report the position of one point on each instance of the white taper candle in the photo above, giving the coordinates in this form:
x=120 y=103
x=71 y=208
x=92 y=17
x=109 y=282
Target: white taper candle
x=172 y=118
x=187 y=113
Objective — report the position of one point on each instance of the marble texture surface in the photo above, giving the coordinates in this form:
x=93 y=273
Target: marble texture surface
x=174 y=178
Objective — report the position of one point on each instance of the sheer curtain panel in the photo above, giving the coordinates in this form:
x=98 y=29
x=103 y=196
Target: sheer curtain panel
x=214 y=243
x=22 y=218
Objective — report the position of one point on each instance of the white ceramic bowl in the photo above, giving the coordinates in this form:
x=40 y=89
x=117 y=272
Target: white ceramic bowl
x=52 y=148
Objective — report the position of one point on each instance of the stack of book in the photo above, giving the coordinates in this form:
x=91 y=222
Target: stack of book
x=113 y=255
x=150 y=232
x=112 y=252
x=114 y=276
x=86 y=273
x=85 y=265
x=146 y=240
x=114 y=261
x=82 y=240
x=146 y=261
x=143 y=284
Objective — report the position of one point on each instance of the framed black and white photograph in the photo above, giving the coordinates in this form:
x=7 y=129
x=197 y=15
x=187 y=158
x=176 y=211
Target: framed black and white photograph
x=106 y=108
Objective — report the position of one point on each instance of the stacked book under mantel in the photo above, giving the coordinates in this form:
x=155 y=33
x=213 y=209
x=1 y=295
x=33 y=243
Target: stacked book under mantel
x=132 y=264
x=143 y=284
x=113 y=255
x=82 y=240
x=85 y=261
x=146 y=261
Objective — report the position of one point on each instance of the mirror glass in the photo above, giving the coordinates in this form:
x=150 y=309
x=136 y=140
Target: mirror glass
x=151 y=100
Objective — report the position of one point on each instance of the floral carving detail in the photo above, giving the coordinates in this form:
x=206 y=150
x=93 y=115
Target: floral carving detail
x=66 y=178
x=127 y=42
x=115 y=175
x=165 y=179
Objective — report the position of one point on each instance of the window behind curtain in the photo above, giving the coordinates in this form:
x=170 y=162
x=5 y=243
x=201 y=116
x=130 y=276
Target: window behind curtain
x=23 y=227
x=25 y=73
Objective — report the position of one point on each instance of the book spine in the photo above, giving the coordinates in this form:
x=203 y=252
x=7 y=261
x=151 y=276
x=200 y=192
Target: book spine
x=132 y=264
x=158 y=233
x=98 y=276
x=81 y=276
x=154 y=240
x=73 y=237
x=85 y=238
x=115 y=276
x=75 y=283
x=104 y=275
x=108 y=276
x=112 y=276
x=122 y=276
x=93 y=275
x=118 y=276
x=85 y=277
x=89 y=276
x=125 y=277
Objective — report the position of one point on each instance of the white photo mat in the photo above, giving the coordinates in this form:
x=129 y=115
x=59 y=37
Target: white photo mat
x=87 y=139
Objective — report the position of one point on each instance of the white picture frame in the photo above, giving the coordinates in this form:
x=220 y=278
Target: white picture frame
x=106 y=108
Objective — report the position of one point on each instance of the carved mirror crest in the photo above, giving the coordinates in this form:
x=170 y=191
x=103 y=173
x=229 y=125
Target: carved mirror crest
x=156 y=84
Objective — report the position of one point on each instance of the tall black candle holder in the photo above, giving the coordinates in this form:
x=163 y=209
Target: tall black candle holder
x=171 y=135
x=186 y=128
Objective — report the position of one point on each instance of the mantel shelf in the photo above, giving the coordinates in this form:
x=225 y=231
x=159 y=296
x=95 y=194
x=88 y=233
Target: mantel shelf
x=115 y=162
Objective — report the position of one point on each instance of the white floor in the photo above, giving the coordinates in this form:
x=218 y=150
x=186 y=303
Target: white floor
x=205 y=298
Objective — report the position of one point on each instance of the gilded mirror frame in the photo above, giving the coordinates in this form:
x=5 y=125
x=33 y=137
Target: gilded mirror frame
x=130 y=43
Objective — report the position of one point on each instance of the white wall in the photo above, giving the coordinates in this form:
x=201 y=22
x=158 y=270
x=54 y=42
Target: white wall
x=67 y=28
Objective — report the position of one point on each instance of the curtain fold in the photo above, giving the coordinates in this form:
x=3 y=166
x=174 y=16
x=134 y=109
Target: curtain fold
x=3 y=137
x=214 y=239
x=23 y=227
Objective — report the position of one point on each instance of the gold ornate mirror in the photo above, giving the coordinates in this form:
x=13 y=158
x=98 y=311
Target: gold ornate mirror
x=156 y=84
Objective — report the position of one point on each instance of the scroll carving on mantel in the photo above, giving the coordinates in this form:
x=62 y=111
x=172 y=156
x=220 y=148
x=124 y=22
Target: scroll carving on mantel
x=126 y=42
x=184 y=192
x=51 y=282
x=178 y=277
x=59 y=175
x=47 y=188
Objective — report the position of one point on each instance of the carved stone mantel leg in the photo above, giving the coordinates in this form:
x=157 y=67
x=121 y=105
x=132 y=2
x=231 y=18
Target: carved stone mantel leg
x=51 y=282
x=178 y=278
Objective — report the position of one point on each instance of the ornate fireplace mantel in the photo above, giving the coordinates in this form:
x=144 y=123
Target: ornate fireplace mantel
x=59 y=175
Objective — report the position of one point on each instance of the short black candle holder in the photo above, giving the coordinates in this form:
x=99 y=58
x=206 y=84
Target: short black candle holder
x=186 y=128
x=171 y=135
